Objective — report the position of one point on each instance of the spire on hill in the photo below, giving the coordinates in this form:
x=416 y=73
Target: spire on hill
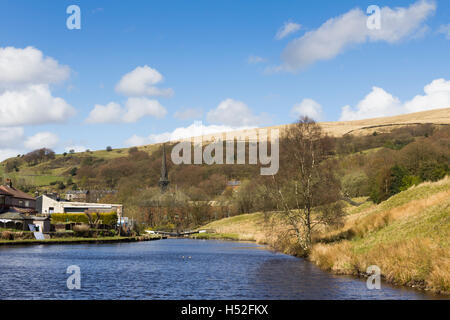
x=164 y=180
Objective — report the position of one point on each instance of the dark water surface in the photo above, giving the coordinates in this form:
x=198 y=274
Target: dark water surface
x=175 y=269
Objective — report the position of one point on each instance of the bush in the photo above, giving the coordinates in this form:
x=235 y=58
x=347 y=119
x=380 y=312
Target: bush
x=109 y=218
x=81 y=228
x=82 y=231
x=7 y=235
x=431 y=171
x=73 y=171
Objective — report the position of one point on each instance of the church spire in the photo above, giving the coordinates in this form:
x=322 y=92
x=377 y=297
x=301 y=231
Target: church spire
x=164 y=180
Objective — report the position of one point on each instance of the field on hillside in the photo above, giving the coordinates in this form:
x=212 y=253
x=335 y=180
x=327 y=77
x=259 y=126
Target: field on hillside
x=56 y=170
x=407 y=236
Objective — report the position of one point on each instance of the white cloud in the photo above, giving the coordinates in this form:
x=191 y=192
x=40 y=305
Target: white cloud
x=287 y=29
x=134 y=110
x=308 y=107
x=41 y=140
x=25 y=96
x=28 y=66
x=234 y=113
x=75 y=148
x=9 y=153
x=11 y=137
x=190 y=113
x=255 y=59
x=136 y=141
x=111 y=113
x=141 y=82
x=138 y=108
x=379 y=103
x=437 y=95
x=194 y=130
x=445 y=29
x=32 y=105
x=339 y=33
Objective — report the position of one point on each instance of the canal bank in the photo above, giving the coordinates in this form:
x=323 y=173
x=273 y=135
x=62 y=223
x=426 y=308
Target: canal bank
x=60 y=241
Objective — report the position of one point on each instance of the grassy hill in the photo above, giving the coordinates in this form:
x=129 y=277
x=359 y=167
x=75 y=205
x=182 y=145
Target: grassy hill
x=368 y=126
x=50 y=172
x=407 y=236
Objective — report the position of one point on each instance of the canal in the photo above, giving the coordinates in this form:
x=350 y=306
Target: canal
x=175 y=269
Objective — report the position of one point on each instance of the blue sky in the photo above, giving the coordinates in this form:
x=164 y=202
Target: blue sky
x=222 y=61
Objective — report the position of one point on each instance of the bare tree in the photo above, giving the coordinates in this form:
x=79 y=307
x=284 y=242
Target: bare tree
x=306 y=189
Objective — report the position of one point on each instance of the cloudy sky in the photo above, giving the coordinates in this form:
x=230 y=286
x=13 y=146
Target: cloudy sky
x=145 y=71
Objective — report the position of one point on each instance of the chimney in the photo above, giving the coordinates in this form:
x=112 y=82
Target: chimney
x=9 y=183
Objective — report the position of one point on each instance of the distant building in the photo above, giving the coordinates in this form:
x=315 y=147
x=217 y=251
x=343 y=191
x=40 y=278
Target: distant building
x=12 y=199
x=47 y=205
x=19 y=221
x=88 y=195
x=77 y=195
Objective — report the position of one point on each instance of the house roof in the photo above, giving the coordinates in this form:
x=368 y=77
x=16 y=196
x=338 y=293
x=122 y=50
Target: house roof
x=21 y=210
x=14 y=216
x=11 y=215
x=11 y=191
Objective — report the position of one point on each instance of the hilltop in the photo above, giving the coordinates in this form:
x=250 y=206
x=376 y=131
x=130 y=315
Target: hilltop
x=436 y=117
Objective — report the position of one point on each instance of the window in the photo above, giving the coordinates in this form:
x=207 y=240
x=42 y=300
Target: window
x=51 y=210
x=20 y=203
x=27 y=204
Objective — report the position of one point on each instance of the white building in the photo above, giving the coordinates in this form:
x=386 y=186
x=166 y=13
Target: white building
x=47 y=205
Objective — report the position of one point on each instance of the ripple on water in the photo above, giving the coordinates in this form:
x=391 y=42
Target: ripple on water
x=163 y=270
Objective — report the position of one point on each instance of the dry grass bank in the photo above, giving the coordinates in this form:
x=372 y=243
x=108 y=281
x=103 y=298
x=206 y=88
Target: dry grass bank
x=407 y=236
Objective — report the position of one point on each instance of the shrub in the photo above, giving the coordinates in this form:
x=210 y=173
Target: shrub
x=81 y=228
x=7 y=235
x=431 y=171
x=109 y=218
x=73 y=171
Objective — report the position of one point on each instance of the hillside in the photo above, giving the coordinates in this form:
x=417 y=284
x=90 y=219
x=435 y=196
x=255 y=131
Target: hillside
x=368 y=126
x=46 y=174
x=407 y=236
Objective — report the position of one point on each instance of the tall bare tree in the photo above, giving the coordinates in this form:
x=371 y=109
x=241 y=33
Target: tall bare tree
x=306 y=189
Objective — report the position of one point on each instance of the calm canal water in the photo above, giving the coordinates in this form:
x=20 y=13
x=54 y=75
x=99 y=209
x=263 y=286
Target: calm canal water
x=175 y=269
